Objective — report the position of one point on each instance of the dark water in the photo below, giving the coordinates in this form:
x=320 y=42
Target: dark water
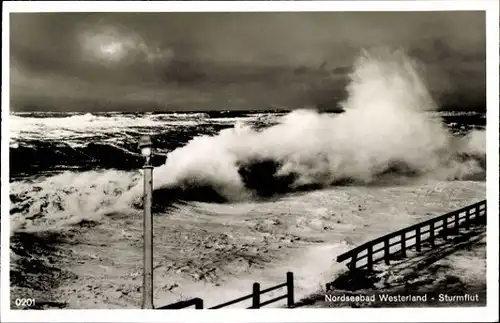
x=109 y=140
x=51 y=142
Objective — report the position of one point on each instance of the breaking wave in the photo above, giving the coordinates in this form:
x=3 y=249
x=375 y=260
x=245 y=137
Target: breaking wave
x=385 y=135
x=384 y=131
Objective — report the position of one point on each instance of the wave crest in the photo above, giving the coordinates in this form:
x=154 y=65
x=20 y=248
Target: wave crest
x=384 y=130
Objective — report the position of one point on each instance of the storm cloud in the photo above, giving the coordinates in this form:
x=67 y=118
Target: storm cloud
x=200 y=61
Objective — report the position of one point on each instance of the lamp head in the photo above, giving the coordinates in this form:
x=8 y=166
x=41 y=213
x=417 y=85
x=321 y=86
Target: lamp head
x=146 y=151
x=146 y=146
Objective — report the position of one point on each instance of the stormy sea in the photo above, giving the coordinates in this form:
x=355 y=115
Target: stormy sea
x=239 y=196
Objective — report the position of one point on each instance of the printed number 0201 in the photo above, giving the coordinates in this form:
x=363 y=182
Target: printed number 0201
x=25 y=302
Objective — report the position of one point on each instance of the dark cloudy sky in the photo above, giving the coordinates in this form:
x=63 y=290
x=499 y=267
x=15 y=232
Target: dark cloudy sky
x=199 y=61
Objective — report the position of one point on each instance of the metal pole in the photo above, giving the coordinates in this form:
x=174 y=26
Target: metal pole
x=148 y=237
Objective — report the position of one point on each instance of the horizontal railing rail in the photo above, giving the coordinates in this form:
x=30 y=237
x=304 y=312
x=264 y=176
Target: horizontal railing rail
x=197 y=302
x=234 y=301
x=438 y=226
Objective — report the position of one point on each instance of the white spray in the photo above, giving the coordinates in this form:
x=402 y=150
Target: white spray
x=385 y=121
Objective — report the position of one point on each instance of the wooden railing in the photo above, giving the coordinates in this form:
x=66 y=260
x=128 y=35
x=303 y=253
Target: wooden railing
x=386 y=247
x=255 y=296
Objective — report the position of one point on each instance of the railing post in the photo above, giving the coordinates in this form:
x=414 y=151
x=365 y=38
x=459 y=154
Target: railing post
x=352 y=265
x=417 y=238
x=403 y=245
x=445 y=228
x=256 y=295
x=481 y=218
x=369 y=258
x=198 y=304
x=386 y=252
x=467 y=218
x=289 y=285
x=457 y=222
x=431 y=234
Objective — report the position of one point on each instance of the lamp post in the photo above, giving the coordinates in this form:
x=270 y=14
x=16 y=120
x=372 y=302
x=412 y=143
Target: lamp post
x=146 y=146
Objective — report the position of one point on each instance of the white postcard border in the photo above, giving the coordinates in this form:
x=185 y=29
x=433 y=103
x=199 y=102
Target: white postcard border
x=489 y=313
